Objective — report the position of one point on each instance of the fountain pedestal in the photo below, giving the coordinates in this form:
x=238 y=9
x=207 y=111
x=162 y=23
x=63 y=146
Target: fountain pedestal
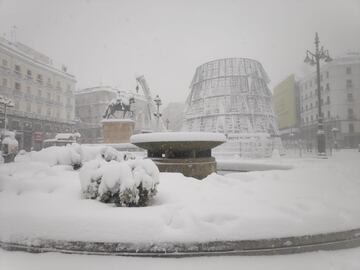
x=117 y=130
x=186 y=152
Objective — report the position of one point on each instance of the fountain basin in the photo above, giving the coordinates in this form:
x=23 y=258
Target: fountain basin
x=186 y=152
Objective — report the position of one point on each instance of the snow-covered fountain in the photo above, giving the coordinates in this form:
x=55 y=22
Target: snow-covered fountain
x=188 y=153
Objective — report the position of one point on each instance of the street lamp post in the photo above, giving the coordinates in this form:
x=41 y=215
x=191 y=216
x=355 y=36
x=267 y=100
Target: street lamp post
x=7 y=103
x=320 y=54
x=158 y=103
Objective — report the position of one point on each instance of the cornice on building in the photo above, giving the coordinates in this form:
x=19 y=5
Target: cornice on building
x=11 y=48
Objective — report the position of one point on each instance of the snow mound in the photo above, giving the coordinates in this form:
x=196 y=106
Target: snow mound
x=126 y=183
x=74 y=155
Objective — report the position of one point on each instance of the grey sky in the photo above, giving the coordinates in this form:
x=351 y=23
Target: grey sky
x=110 y=42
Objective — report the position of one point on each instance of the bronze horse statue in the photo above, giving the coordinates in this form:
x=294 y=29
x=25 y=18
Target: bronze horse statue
x=119 y=106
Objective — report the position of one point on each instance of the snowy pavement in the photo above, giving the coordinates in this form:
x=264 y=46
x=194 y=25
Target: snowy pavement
x=40 y=201
x=329 y=260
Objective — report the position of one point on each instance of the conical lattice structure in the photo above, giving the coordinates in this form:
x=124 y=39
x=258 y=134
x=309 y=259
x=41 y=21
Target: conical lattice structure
x=230 y=96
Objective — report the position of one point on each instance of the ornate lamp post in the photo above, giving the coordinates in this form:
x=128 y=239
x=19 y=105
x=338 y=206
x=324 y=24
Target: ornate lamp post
x=7 y=103
x=320 y=54
x=158 y=103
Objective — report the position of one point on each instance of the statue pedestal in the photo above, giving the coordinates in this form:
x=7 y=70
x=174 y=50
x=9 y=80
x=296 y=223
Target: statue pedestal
x=117 y=130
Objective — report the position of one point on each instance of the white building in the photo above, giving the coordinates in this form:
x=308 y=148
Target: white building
x=42 y=94
x=340 y=93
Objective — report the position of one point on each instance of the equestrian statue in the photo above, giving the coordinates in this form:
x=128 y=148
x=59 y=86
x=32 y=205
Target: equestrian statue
x=120 y=103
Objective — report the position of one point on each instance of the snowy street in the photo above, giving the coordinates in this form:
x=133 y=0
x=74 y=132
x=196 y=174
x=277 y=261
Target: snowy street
x=329 y=260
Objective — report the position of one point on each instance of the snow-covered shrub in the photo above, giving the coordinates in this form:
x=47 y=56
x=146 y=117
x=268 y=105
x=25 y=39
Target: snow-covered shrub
x=126 y=183
x=109 y=153
x=75 y=155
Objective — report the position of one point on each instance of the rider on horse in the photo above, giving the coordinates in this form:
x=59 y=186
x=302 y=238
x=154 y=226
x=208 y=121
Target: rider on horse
x=120 y=103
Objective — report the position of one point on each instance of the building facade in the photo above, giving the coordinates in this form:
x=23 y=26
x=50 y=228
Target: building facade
x=41 y=92
x=231 y=96
x=91 y=104
x=340 y=99
x=286 y=104
x=173 y=116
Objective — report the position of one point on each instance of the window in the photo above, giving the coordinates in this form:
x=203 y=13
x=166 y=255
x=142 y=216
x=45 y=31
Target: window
x=39 y=109
x=49 y=96
x=351 y=128
x=327 y=87
x=48 y=111
x=4 y=62
x=310 y=83
x=49 y=81
x=328 y=114
x=29 y=73
x=39 y=78
x=328 y=100
x=327 y=74
x=321 y=77
x=311 y=117
x=348 y=84
x=17 y=69
x=28 y=107
x=348 y=70
x=39 y=92
x=306 y=107
x=350 y=113
x=68 y=87
x=17 y=86
x=4 y=82
x=350 y=97
x=28 y=90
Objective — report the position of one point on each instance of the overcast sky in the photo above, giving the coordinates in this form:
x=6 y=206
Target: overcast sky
x=111 y=42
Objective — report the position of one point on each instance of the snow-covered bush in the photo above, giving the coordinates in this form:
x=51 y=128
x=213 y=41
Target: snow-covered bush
x=126 y=183
x=59 y=155
x=108 y=153
x=75 y=155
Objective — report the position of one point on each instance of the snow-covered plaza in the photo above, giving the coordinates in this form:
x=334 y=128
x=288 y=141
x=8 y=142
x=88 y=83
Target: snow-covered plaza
x=40 y=200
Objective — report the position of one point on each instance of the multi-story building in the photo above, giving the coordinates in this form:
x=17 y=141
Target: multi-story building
x=91 y=104
x=42 y=94
x=286 y=105
x=340 y=99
